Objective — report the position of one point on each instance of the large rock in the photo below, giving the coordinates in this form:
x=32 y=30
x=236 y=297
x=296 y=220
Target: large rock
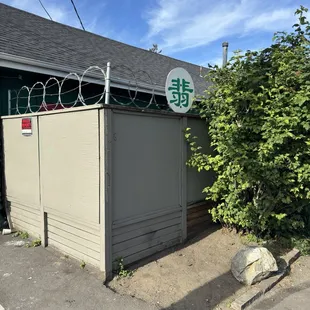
x=253 y=264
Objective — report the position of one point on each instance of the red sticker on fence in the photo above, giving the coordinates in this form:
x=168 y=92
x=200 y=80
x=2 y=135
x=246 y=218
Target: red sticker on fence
x=26 y=126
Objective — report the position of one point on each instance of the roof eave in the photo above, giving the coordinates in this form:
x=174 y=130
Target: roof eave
x=31 y=65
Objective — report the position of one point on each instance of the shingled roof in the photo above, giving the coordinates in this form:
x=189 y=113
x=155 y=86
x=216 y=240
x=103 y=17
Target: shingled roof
x=40 y=40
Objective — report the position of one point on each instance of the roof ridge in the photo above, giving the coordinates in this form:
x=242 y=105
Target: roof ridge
x=100 y=36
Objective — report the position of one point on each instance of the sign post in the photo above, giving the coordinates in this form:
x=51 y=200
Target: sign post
x=180 y=90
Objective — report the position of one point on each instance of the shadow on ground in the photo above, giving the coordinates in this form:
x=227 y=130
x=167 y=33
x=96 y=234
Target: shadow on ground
x=195 y=275
x=209 y=295
x=192 y=240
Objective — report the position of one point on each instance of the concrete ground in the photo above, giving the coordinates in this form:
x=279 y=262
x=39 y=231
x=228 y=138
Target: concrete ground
x=37 y=278
x=292 y=293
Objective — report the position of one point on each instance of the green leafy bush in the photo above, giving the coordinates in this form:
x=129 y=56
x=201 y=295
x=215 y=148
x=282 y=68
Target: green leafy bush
x=258 y=113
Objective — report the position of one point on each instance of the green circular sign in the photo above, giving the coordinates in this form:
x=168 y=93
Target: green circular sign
x=179 y=90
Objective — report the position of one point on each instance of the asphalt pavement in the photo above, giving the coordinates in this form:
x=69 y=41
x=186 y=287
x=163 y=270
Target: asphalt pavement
x=292 y=293
x=43 y=279
x=292 y=299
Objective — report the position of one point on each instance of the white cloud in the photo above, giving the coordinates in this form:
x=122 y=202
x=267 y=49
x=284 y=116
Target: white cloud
x=168 y=15
x=57 y=11
x=271 y=21
x=58 y=14
x=179 y=25
x=60 y=11
x=92 y=25
x=215 y=61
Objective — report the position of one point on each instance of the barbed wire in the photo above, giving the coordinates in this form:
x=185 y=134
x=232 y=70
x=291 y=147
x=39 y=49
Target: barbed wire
x=136 y=97
x=137 y=89
x=26 y=99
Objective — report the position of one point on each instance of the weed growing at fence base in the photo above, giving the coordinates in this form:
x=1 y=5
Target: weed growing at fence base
x=21 y=234
x=121 y=271
x=82 y=264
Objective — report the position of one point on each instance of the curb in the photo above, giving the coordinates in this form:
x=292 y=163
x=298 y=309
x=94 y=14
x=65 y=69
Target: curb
x=266 y=285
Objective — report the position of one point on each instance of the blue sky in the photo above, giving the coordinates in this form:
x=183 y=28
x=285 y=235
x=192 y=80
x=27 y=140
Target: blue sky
x=190 y=30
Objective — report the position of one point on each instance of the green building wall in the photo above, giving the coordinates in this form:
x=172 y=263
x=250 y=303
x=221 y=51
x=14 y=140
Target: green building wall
x=14 y=80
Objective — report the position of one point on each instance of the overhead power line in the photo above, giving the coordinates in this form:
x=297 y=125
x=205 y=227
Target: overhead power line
x=77 y=14
x=45 y=10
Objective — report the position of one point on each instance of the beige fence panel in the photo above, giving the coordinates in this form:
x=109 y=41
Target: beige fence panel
x=21 y=157
x=69 y=151
x=146 y=191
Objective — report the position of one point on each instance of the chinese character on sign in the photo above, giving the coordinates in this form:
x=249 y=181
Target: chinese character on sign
x=180 y=92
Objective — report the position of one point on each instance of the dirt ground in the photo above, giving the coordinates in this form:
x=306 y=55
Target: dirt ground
x=194 y=276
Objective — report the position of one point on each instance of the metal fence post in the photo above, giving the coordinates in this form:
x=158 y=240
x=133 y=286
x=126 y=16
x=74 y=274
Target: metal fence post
x=183 y=177
x=43 y=214
x=107 y=84
x=9 y=102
